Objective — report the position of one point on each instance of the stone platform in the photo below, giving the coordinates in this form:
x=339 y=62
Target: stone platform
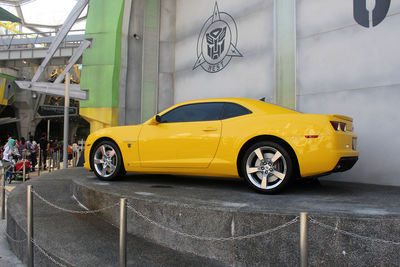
x=197 y=221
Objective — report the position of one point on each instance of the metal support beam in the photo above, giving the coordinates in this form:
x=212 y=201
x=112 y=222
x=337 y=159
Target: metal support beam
x=20 y=14
x=66 y=122
x=72 y=17
x=65 y=28
x=37 y=38
x=57 y=89
x=8 y=120
x=77 y=54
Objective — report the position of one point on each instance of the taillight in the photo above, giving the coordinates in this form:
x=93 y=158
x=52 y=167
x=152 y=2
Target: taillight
x=338 y=126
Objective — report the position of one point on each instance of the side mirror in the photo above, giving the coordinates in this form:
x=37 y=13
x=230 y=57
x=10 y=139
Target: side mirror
x=156 y=119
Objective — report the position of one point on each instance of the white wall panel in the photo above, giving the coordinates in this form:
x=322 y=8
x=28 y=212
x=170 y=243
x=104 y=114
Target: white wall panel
x=247 y=76
x=376 y=122
x=345 y=68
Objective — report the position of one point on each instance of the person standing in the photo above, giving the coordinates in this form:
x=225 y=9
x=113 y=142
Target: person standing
x=44 y=146
x=61 y=148
x=55 y=148
x=16 y=147
x=69 y=153
x=9 y=151
x=33 y=149
x=24 y=150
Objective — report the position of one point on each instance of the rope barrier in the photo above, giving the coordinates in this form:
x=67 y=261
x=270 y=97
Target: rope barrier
x=335 y=229
x=6 y=235
x=232 y=238
x=72 y=211
x=46 y=254
x=182 y=234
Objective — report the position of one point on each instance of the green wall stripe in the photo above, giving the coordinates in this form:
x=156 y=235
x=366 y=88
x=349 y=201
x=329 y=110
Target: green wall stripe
x=9 y=77
x=102 y=61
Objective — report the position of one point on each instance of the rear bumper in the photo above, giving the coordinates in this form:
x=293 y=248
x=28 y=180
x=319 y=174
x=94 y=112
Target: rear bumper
x=344 y=164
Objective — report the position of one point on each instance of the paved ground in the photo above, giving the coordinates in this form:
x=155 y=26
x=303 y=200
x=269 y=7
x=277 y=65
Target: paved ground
x=7 y=257
x=78 y=239
x=327 y=198
x=344 y=200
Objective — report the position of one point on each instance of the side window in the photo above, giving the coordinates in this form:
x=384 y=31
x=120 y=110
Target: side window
x=194 y=112
x=233 y=110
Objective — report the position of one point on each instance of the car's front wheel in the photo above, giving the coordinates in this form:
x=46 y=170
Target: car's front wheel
x=267 y=167
x=106 y=161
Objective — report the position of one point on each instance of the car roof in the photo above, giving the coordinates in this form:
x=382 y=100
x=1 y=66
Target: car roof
x=256 y=106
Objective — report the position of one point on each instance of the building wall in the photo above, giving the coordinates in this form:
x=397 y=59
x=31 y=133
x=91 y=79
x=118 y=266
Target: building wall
x=345 y=68
x=131 y=63
x=341 y=66
x=251 y=75
x=167 y=54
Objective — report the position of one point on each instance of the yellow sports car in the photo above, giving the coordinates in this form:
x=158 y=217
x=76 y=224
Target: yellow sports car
x=265 y=144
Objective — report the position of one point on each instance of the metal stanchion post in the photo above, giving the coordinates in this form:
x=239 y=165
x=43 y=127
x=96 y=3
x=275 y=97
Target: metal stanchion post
x=73 y=159
x=50 y=165
x=3 y=193
x=23 y=170
x=58 y=159
x=78 y=155
x=29 y=227
x=122 y=233
x=303 y=239
x=40 y=161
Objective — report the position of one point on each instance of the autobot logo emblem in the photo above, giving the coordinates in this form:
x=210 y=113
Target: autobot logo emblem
x=217 y=42
x=369 y=13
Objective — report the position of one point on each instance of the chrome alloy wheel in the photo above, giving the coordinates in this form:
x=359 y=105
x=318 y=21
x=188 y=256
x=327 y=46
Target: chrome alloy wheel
x=105 y=160
x=266 y=167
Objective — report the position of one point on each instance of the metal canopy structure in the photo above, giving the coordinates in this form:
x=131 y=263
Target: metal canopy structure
x=7 y=16
x=56 y=88
x=52 y=17
x=8 y=120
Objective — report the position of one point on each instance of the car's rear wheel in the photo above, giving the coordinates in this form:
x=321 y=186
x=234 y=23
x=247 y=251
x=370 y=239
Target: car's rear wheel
x=106 y=161
x=267 y=167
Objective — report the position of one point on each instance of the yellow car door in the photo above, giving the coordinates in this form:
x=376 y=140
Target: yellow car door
x=185 y=137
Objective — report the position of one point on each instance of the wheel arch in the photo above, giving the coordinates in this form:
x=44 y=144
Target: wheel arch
x=271 y=138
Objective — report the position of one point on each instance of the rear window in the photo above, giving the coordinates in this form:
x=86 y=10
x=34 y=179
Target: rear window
x=231 y=110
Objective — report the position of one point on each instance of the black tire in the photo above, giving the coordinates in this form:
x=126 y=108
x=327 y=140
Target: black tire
x=267 y=167
x=106 y=161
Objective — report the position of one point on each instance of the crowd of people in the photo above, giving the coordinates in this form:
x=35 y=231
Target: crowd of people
x=36 y=152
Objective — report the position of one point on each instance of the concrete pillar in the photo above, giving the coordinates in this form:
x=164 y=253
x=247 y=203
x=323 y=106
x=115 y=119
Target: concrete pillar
x=285 y=53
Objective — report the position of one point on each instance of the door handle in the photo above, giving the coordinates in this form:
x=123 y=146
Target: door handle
x=210 y=129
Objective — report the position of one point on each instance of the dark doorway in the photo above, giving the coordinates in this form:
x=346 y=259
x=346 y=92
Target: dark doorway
x=9 y=129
